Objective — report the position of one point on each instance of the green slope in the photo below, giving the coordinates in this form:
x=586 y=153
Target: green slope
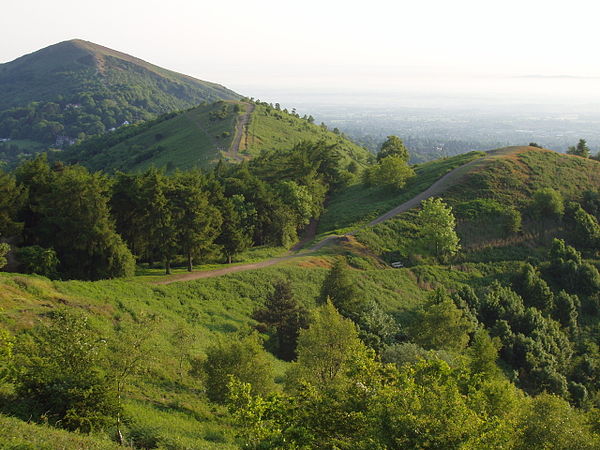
x=480 y=195
x=199 y=137
x=77 y=89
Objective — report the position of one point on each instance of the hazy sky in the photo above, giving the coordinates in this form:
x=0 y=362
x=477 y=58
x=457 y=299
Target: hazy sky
x=446 y=46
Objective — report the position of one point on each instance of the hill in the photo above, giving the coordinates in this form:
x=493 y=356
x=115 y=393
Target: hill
x=508 y=347
x=77 y=88
x=485 y=192
x=201 y=136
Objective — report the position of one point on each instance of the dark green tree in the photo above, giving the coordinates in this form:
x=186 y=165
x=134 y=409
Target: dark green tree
x=393 y=146
x=285 y=316
x=233 y=238
x=340 y=289
x=581 y=149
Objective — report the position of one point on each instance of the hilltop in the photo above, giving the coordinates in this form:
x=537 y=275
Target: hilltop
x=201 y=136
x=76 y=88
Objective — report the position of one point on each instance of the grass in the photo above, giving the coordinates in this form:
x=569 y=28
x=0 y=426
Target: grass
x=191 y=139
x=161 y=405
x=358 y=204
x=270 y=129
x=509 y=177
x=16 y=434
x=187 y=140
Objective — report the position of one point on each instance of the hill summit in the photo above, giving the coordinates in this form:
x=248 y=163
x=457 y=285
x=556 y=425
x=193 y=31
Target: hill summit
x=76 y=88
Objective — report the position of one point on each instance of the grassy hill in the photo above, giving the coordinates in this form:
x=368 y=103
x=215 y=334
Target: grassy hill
x=166 y=405
x=161 y=406
x=505 y=179
x=77 y=88
x=199 y=137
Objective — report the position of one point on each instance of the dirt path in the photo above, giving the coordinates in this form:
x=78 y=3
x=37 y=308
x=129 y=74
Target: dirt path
x=439 y=186
x=239 y=132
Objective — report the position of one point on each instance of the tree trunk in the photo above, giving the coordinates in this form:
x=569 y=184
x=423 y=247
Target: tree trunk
x=168 y=266
x=229 y=258
x=190 y=262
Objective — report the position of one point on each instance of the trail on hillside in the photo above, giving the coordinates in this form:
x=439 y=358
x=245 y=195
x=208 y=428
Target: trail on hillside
x=443 y=183
x=239 y=132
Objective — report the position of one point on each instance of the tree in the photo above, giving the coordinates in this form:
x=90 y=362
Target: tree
x=133 y=349
x=547 y=204
x=391 y=171
x=339 y=288
x=12 y=197
x=4 y=249
x=584 y=228
x=68 y=211
x=197 y=221
x=534 y=290
x=441 y=325
x=244 y=359
x=286 y=316
x=60 y=374
x=42 y=261
x=7 y=343
x=437 y=228
x=233 y=237
x=393 y=146
x=580 y=150
x=327 y=349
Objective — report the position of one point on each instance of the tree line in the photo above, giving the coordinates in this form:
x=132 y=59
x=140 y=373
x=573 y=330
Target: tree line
x=71 y=223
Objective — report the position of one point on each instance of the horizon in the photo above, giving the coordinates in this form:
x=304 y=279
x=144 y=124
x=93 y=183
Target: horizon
x=431 y=48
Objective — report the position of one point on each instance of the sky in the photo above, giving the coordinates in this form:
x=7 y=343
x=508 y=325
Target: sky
x=528 y=48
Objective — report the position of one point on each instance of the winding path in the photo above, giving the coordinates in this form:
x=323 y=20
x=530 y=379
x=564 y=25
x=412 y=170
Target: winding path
x=443 y=183
x=239 y=132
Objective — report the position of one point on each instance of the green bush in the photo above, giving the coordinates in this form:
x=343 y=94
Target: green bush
x=244 y=359
x=39 y=260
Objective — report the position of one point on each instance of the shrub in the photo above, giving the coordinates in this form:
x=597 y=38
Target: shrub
x=39 y=260
x=245 y=359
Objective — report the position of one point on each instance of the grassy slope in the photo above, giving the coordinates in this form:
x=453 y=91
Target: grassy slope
x=176 y=410
x=358 y=205
x=74 y=66
x=270 y=129
x=509 y=178
x=173 y=409
x=191 y=139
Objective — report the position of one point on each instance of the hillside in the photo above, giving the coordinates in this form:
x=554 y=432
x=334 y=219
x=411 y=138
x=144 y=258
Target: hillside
x=506 y=346
x=485 y=192
x=77 y=88
x=201 y=136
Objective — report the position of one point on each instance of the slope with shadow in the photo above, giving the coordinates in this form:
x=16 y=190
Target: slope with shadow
x=201 y=136
x=76 y=88
x=491 y=199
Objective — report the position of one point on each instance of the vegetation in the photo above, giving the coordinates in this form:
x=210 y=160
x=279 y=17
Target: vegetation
x=201 y=136
x=76 y=89
x=330 y=349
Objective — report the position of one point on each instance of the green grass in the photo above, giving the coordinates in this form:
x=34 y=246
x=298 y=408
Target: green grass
x=270 y=129
x=190 y=139
x=173 y=410
x=509 y=177
x=16 y=434
x=358 y=204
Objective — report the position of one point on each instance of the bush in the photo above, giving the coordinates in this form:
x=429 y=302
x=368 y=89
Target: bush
x=245 y=359
x=39 y=260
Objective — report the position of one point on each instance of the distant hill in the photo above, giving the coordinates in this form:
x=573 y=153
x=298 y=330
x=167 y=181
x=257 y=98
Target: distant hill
x=77 y=88
x=201 y=136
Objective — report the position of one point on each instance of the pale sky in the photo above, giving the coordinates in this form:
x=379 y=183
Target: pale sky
x=450 y=46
